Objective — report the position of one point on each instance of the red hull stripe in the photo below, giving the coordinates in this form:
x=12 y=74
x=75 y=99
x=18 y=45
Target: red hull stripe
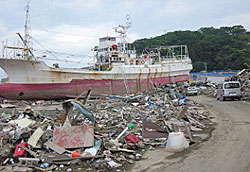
x=76 y=87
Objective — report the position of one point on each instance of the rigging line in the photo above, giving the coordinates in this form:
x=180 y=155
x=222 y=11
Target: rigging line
x=64 y=33
x=44 y=47
x=57 y=52
x=65 y=59
x=86 y=55
x=51 y=52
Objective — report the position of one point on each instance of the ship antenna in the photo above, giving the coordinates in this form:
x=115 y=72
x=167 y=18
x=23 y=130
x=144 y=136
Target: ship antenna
x=122 y=30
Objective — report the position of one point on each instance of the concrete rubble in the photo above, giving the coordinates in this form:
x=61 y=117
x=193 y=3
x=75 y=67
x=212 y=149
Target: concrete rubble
x=98 y=134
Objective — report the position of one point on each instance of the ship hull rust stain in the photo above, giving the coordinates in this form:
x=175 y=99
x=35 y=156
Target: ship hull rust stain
x=76 y=87
x=35 y=80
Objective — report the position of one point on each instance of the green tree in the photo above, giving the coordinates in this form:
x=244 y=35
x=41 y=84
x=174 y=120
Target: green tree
x=220 y=48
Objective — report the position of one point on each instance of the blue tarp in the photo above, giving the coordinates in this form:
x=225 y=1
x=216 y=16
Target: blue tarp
x=225 y=71
x=213 y=74
x=206 y=74
x=217 y=73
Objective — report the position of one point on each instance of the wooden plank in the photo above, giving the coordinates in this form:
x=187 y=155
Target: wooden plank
x=28 y=150
x=35 y=137
x=182 y=112
x=69 y=159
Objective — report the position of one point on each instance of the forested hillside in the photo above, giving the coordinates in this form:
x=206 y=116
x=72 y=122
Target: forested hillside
x=223 y=48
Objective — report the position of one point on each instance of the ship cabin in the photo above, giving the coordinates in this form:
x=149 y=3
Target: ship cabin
x=110 y=52
x=107 y=51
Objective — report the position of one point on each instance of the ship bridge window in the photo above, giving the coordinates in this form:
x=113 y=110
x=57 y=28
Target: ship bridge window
x=111 y=39
x=107 y=39
x=103 y=49
x=117 y=59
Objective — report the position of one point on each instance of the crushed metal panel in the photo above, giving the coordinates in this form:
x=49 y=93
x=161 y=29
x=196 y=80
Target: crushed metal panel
x=55 y=147
x=152 y=130
x=74 y=136
x=22 y=123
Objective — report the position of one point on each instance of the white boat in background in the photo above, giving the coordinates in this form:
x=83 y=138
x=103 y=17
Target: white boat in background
x=118 y=70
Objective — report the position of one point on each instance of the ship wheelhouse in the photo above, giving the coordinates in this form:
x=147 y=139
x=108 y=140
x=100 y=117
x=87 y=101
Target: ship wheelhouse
x=109 y=51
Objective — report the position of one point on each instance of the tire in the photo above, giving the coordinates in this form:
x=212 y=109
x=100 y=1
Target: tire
x=222 y=98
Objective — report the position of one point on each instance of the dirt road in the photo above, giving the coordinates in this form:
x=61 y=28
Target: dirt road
x=228 y=150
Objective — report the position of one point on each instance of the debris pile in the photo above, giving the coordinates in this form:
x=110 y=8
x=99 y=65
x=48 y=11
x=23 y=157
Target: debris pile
x=101 y=134
x=209 y=91
x=205 y=88
x=244 y=78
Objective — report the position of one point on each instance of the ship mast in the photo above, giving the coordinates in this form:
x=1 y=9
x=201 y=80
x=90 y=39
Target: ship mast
x=26 y=31
x=26 y=50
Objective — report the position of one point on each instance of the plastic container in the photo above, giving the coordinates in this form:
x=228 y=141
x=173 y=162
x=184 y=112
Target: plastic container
x=19 y=152
x=129 y=126
x=176 y=142
x=75 y=154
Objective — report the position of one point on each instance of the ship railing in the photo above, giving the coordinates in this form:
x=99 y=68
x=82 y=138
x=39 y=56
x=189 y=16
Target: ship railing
x=173 y=60
x=15 y=51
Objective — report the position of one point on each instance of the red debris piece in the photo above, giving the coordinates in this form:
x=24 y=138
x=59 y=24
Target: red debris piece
x=131 y=138
x=21 y=152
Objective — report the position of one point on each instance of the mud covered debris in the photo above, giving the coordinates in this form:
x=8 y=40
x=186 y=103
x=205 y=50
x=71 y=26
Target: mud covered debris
x=98 y=134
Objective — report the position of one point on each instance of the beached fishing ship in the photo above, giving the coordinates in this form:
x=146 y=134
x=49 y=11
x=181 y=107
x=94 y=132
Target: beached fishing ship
x=118 y=70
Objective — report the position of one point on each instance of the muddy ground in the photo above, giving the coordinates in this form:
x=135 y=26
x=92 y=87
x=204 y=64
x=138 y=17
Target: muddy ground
x=227 y=150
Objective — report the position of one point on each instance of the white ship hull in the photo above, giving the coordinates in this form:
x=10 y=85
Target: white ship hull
x=29 y=79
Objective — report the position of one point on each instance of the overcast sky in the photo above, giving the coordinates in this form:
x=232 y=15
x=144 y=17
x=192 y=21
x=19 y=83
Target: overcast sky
x=73 y=26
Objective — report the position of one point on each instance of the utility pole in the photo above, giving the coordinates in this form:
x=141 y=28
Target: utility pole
x=205 y=66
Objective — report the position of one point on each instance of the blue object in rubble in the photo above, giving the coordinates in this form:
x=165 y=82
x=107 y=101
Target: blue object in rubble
x=181 y=101
x=151 y=104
